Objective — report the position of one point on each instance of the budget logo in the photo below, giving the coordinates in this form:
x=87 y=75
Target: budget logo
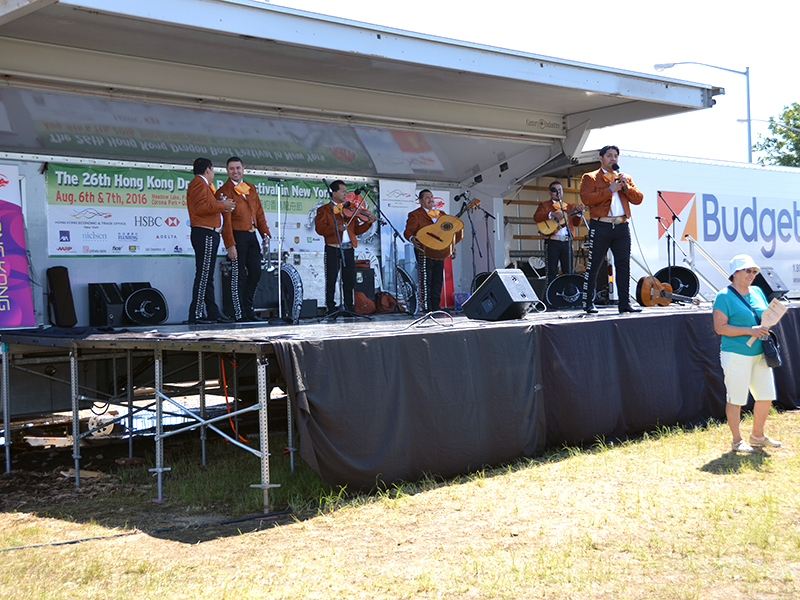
x=682 y=204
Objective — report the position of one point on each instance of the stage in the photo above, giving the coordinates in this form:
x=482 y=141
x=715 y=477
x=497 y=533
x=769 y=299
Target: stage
x=397 y=397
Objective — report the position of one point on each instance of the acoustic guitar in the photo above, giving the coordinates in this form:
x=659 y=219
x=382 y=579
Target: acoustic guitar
x=550 y=226
x=652 y=292
x=439 y=239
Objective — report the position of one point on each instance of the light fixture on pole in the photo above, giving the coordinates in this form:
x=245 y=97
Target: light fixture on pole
x=746 y=73
x=778 y=123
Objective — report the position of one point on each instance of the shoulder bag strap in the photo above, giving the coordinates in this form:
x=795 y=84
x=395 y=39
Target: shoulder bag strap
x=747 y=304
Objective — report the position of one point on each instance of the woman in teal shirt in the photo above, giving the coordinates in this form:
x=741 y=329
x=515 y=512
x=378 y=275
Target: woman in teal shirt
x=744 y=366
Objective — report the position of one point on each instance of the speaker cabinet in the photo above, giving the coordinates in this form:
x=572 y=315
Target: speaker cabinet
x=365 y=282
x=770 y=283
x=59 y=297
x=106 y=306
x=505 y=294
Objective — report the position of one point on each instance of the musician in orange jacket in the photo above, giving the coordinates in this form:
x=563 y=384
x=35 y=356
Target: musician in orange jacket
x=558 y=245
x=430 y=271
x=340 y=234
x=609 y=193
x=205 y=219
x=239 y=236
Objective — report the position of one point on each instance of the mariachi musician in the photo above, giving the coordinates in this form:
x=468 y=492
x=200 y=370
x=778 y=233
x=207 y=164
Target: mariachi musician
x=430 y=270
x=558 y=244
x=340 y=230
x=609 y=195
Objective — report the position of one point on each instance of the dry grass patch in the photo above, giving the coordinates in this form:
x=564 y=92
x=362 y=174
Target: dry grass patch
x=671 y=515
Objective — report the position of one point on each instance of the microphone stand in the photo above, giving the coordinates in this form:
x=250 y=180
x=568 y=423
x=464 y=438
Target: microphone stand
x=474 y=239
x=670 y=257
x=489 y=253
x=393 y=251
x=280 y=251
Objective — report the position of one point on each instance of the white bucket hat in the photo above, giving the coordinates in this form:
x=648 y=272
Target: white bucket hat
x=742 y=261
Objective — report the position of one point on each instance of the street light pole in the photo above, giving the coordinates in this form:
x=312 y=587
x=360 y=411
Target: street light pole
x=746 y=73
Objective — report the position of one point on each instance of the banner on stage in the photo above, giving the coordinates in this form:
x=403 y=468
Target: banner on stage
x=16 y=301
x=117 y=211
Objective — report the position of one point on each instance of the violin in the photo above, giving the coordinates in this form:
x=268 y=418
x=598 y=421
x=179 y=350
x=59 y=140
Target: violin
x=353 y=209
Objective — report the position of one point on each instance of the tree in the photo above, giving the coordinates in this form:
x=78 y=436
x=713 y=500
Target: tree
x=784 y=148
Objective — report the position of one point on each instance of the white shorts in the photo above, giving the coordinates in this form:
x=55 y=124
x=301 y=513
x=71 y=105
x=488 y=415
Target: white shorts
x=747 y=373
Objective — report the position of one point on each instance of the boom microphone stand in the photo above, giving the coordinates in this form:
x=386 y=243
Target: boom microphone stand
x=474 y=239
x=670 y=238
x=486 y=216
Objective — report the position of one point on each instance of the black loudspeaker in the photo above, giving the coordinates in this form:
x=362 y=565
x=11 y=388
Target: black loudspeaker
x=539 y=285
x=106 y=306
x=59 y=298
x=128 y=287
x=309 y=309
x=505 y=294
x=770 y=283
x=365 y=282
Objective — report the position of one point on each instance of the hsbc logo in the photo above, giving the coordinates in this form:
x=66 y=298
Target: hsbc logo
x=172 y=221
x=148 y=221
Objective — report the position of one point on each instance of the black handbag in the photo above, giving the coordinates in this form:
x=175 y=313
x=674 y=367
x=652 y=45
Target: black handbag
x=771 y=345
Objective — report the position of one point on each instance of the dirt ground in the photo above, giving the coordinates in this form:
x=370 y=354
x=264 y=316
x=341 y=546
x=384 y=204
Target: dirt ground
x=37 y=484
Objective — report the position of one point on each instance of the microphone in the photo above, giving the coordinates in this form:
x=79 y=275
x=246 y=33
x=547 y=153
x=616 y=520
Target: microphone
x=359 y=190
x=460 y=197
x=327 y=188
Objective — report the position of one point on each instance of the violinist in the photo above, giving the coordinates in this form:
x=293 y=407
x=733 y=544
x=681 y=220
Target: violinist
x=339 y=224
x=430 y=270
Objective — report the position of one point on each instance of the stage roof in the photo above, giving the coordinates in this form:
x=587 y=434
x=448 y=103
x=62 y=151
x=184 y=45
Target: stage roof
x=161 y=81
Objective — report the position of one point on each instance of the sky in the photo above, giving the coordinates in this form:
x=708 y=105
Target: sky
x=635 y=36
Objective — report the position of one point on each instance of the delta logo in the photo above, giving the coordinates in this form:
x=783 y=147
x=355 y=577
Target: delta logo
x=3 y=180
x=172 y=221
x=683 y=204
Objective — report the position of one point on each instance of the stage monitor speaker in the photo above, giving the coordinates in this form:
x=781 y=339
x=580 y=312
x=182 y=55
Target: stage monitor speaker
x=505 y=294
x=146 y=306
x=770 y=283
x=106 y=306
x=129 y=287
x=59 y=298
x=309 y=309
x=365 y=282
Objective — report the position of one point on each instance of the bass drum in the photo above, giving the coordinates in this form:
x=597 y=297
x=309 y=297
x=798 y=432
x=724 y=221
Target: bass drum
x=478 y=281
x=683 y=281
x=291 y=292
x=565 y=292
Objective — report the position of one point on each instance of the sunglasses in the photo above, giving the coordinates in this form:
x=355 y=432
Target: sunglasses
x=751 y=271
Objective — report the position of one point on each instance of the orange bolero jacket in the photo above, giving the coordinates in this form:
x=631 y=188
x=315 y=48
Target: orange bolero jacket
x=596 y=194
x=248 y=213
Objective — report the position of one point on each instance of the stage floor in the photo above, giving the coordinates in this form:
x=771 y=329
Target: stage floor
x=396 y=397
